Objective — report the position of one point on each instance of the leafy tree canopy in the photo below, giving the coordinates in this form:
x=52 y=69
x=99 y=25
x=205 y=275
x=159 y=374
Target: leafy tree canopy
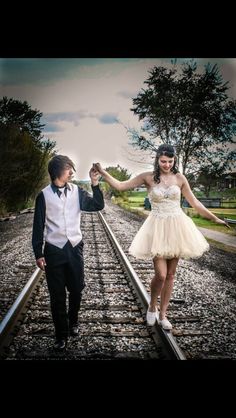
x=20 y=114
x=192 y=112
x=120 y=174
x=24 y=154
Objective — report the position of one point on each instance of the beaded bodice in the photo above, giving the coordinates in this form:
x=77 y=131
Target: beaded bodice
x=165 y=201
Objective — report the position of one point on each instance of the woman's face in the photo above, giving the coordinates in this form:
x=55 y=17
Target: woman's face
x=166 y=163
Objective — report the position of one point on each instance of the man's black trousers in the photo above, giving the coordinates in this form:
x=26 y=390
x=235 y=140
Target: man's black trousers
x=64 y=272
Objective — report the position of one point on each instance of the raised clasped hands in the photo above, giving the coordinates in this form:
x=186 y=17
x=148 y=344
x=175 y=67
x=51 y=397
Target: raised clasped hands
x=98 y=167
x=94 y=175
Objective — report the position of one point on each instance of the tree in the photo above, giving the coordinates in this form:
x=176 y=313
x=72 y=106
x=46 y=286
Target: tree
x=208 y=179
x=190 y=111
x=23 y=167
x=24 y=153
x=120 y=174
x=19 y=114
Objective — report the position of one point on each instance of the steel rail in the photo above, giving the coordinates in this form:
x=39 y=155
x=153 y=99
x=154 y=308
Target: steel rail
x=13 y=315
x=166 y=336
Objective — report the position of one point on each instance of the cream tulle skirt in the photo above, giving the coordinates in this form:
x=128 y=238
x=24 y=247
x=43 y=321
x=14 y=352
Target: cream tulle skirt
x=168 y=237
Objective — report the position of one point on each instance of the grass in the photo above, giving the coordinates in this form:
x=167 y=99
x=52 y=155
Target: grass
x=140 y=195
x=205 y=223
x=224 y=212
x=136 y=199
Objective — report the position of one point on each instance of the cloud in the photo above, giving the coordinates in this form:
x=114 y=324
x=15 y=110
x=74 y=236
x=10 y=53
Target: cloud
x=44 y=71
x=53 y=127
x=109 y=118
x=54 y=119
x=58 y=117
x=83 y=100
x=128 y=94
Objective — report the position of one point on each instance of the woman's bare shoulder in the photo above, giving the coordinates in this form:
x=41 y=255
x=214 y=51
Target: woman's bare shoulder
x=148 y=176
x=181 y=179
x=180 y=176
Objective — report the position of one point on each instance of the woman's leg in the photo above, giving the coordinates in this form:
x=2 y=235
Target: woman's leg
x=160 y=267
x=168 y=286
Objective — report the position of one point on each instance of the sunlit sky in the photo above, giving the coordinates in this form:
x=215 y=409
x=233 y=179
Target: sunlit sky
x=86 y=102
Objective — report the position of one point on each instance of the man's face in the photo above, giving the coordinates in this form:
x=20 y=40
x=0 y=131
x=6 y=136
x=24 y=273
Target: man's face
x=67 y=174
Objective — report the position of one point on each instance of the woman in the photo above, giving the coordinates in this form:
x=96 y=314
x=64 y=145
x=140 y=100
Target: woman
x=167 y=234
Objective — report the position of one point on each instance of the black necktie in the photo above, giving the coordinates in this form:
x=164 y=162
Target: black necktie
x=59 y=192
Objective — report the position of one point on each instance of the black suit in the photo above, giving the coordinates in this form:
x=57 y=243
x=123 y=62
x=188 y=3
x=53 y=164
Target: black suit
x=64 y=266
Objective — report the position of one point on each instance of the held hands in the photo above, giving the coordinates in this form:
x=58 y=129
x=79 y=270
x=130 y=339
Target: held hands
x=94 y=175
x=98 y=167
x=41 y=263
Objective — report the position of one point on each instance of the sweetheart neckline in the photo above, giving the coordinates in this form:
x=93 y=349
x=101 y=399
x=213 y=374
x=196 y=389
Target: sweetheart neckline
x=165 y=188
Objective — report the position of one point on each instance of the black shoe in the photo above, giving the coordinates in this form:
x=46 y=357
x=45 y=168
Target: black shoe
x=60 y=345
x=74 y=330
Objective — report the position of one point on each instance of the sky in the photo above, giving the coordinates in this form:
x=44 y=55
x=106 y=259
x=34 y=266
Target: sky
x=86 y=103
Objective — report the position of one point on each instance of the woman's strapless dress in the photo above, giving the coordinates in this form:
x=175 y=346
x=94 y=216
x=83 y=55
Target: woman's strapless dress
x=167 y=232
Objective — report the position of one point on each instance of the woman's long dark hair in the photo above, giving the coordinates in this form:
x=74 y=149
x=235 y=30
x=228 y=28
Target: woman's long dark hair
x=168 y=151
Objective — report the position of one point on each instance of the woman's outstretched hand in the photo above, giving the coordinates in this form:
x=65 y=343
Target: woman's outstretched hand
x=222 y=222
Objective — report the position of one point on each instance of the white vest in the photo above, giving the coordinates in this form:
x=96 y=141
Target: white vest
x=62 y=221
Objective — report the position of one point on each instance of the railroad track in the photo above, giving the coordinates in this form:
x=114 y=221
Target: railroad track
x=112 y=316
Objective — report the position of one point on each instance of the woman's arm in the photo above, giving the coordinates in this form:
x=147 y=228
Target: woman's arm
x=196 y=204
x=121 y=185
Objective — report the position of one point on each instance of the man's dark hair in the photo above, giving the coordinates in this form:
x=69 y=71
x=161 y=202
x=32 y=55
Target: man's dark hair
x=58 y=164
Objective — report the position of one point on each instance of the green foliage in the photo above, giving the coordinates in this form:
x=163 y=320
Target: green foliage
x=23 y=167
x=120 y=174
x=86 y=185
x=24 y=154
x=192 y=112
x=208 y=179
x=205 y=223
x=19 y=114
x=139 y=195
x=3 y=209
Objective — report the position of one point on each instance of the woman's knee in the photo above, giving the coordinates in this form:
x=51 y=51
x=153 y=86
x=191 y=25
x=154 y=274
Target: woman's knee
x=170 y=276
x=161 y=277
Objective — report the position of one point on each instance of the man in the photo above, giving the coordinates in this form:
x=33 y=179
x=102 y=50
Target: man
x=57 y=220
